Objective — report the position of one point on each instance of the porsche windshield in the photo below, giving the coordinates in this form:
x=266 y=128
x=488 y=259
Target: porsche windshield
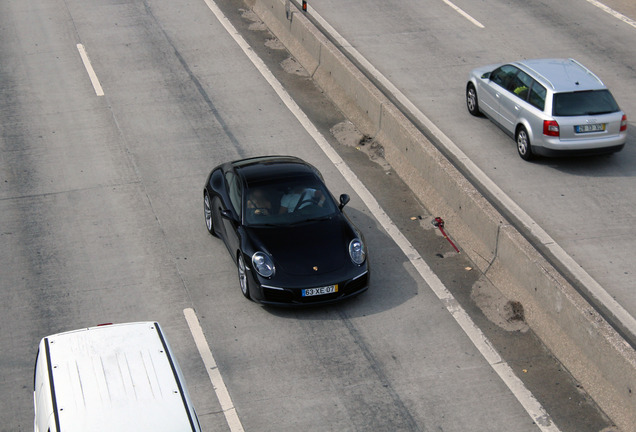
x=286 y=202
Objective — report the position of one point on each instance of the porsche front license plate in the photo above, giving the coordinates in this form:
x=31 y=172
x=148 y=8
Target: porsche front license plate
x=320 y=291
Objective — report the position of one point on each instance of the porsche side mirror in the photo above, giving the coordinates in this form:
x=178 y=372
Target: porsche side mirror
x=227 y=214
x=344 y=199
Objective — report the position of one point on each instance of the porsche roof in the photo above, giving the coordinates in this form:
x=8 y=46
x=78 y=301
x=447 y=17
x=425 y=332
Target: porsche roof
x=259 y=169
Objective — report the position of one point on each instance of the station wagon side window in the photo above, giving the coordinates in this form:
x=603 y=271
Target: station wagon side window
x=520 y=85
x=537 y=94
x=234 y=191
x=503 y=75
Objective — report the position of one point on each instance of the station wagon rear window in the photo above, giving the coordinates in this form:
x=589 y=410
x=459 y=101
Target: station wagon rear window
x=584 y=103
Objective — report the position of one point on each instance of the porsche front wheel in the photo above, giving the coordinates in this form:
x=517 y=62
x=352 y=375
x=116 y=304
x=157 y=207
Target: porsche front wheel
x=207 y=212
x=242 y=276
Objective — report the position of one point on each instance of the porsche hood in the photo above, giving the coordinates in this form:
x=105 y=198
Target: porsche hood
x=308 y=249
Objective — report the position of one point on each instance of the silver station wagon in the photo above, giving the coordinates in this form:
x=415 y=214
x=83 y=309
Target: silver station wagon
x=552 y=107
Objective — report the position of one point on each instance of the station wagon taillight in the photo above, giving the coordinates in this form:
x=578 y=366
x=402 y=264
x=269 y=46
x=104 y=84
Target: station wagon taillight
x=550 y=128
x=624 y=123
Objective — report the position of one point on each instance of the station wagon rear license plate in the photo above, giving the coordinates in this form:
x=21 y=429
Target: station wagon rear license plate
x=599 y=127
x=320 y=291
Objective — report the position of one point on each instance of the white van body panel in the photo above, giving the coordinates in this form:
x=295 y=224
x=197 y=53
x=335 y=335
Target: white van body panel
x=120 y=377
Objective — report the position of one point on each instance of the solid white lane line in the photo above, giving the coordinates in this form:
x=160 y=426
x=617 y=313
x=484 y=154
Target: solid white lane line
x=222 y=394
x=464 y=14
x=614 y=13
x=89 y=68
x=505 y=372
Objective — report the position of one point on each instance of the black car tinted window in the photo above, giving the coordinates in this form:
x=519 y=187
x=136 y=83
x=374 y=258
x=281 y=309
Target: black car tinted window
x=287 y=201
x=234 y=191
x=592 y=102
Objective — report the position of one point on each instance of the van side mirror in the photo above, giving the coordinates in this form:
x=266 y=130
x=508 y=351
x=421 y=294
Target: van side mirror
x=344 y=199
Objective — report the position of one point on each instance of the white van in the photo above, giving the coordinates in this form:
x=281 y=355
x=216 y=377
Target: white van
x=115 y=378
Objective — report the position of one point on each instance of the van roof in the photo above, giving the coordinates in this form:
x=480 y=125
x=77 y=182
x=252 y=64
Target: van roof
x=116 y=378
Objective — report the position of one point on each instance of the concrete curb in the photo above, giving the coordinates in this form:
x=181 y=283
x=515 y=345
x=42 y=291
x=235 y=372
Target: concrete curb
x=579 y=337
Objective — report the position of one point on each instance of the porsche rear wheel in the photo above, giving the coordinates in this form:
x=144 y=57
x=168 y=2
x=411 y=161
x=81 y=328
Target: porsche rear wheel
x=242 y=276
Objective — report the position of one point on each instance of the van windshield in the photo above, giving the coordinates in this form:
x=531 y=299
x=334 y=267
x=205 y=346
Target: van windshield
x=592 y=102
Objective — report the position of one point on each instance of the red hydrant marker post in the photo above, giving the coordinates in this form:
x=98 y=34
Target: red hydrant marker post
x=439 y=223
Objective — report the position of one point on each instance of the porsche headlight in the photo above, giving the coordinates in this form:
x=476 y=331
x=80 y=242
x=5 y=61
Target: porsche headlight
x=356 y=251
x=263 y=264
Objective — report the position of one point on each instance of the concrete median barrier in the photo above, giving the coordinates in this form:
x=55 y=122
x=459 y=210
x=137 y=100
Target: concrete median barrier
x=596 y=355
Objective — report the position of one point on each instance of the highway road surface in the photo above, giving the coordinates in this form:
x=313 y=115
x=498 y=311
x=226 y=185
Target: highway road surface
x=112 y=113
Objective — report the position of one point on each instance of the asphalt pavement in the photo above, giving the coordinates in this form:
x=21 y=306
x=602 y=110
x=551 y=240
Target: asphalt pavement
x=102 y=221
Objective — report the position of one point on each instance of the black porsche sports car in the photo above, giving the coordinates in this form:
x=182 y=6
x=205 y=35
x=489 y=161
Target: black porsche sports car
x=290 y=239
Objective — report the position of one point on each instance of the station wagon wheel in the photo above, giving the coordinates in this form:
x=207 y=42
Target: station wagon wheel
x=207 y=211
x=523 y=144
x=242 y=275
x=472 y=103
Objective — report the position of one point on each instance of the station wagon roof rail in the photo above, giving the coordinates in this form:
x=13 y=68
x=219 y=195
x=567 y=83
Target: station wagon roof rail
x=541 y=76
x=545 y=79
x=587 y=70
